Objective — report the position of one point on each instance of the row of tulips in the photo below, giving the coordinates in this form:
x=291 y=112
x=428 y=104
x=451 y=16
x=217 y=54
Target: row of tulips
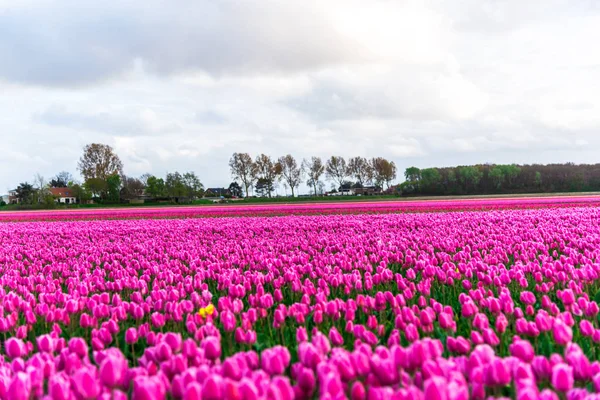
x=185 y=369
x=386 y=306
x=316 y=208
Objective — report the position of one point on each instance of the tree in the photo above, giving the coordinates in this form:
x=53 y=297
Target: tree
x=511 y=172
x=314 y=169
x=155 y=187
x=25 y=193
x=113 y=185
x=290 y=171
x=320 y=189
x=99 y=161
x=193 y=186
x=41 y=189
x=264 y=187
x=384 y=171
x=538 y=179
x=96 y=187
x=496 y=176
x=451 y=177
x=469 y=176
x=235 y=189
x=144 y=178
x=430 y=179
x=133 y=188
x=412 y=177
x=361 y=170
x=61 y=180
x=267 y=171
x=336 y=169
x=80 y=193
x=174 y=186
x=412 y=174
x=243 y=169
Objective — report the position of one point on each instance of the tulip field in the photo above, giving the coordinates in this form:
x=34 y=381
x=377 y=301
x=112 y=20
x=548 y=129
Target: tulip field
x=494 y=300
x=315 y=208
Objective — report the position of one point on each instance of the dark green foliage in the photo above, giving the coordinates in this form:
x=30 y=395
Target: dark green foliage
x=502 y=179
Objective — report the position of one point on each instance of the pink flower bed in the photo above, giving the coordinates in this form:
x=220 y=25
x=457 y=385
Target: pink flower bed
x=333 y=207
x=380 y=306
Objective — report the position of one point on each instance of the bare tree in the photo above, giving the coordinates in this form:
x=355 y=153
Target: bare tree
x=41 y=188
x=314 y=169
x=384 y=171
x=99 y=161
x=62 y=179
x=144 y=178
x=291 y=172
x=132 y=188
x=267 y=172
x=361 y=170
x=336 y=169
x=243 y=169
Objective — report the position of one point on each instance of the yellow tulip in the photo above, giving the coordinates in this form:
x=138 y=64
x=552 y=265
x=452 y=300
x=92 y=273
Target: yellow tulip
x=210 y=309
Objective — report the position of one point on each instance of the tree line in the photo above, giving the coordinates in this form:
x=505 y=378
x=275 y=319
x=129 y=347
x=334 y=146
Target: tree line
x=501 y=179
x=104 y=180
x=264 y=173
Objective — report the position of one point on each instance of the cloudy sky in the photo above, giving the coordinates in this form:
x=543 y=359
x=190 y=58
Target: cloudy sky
x=181 y=85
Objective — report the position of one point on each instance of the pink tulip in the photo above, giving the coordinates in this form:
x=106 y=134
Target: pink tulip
x=357 y=392
x=59 y=388
x=20 y=387
x=211 y=347
x=586 y=328
x=523 y=350
x=85 y=383
x=193 y=391
x=562 y=333
x=14 y=348
x=131 y=336
x=112 y=371
x=562 y=377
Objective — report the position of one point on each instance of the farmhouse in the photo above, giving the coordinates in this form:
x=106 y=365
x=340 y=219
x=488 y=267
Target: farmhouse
x=217 y=192
x=12 y=197
x=63 y=195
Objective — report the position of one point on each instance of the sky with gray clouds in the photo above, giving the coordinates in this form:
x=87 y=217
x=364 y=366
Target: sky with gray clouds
x=181 y=85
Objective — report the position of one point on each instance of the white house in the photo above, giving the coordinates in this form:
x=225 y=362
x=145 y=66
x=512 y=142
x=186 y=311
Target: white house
x=64 y=195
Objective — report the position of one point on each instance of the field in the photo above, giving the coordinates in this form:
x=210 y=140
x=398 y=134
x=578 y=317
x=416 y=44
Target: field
x=314 y=208
x=444 y=299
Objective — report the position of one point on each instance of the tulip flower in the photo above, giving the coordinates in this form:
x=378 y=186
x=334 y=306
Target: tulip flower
x=562 y=333
x=562 y=377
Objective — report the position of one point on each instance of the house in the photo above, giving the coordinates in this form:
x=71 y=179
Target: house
x=12 y=197
x=216 y=192
x=394 y=190
x=366 y=190
x=345 y=189
x=63 y=195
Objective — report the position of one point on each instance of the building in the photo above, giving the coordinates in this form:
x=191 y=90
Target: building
x=64 y=195
x=366 y=190
x=216 y=192
x=12 y=197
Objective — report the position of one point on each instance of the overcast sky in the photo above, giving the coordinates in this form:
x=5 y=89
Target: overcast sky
x=181 y=85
